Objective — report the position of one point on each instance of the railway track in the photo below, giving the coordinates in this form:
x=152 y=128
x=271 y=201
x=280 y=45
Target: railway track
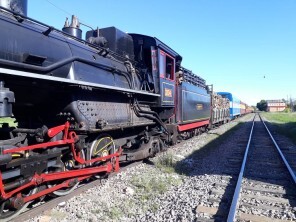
x=263 y=195
x=265 y=177
x=258 y=181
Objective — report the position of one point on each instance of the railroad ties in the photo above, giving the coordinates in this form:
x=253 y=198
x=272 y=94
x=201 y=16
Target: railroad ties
x=266 y=183
x=266 y=192
x=258 y=180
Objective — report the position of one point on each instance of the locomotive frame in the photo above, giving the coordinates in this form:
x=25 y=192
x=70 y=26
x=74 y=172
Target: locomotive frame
x=83 y=107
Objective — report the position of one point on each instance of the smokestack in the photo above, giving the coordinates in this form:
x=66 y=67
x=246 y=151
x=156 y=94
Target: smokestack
x=74 y=28
x=18 y=6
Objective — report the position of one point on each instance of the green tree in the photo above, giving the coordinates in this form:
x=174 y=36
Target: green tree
x=262 y=105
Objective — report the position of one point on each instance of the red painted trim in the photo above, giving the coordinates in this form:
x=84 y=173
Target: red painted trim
x=69 y=138
x=55 y=130
x=40 y=146
x=75 y=173
x=173 y=71
x=164 y=53
x=64 y=184
x=82 y=175
x=43 y=178
x=193 y=125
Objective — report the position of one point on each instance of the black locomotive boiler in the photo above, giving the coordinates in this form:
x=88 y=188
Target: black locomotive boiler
x=82 y=106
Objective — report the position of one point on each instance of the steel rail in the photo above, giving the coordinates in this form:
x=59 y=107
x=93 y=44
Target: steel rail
x=236 y=196
x=280 y=152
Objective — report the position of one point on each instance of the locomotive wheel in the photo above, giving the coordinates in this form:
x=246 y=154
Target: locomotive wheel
x=163 y=147
x=196 y=132
x=69 y=164
x=103 y=145
x=7 y=212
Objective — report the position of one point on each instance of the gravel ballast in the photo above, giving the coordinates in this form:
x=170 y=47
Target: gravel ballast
x=171 y=187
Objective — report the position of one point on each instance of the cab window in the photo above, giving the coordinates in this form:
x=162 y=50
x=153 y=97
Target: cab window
x=166 y=66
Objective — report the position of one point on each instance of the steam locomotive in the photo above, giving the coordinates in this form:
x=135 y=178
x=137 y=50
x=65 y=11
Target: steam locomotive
x=83 y=106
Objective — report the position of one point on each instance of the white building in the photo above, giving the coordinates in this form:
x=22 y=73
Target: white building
x=275 y=105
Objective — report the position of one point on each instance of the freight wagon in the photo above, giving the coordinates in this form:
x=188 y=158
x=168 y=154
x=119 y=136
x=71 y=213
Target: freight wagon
x=234 y=104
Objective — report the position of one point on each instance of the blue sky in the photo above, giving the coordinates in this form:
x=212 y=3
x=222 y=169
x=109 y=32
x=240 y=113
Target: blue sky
x=247 y=47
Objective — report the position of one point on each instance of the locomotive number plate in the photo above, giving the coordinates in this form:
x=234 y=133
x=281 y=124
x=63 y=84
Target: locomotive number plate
x=168 y=92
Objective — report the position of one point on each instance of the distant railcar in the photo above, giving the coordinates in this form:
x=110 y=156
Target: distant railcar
x=243 y=107
x=249 y=109
x=220 y=109
x=234 y=104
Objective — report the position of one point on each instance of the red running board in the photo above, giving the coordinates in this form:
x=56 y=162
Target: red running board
x=193 y=125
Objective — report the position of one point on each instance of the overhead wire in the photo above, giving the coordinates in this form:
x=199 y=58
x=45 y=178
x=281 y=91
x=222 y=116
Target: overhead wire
x=68 y=13
x=59 y=8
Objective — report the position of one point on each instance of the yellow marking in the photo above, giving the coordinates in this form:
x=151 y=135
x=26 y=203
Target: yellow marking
x=97 y=143
x=199 y=106
x=16 y=155
x=164 y=97
x=72 y=162
x=168 y=92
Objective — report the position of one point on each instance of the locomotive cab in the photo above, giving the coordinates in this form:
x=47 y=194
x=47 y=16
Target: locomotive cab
x=162 y=63
x=167 y=78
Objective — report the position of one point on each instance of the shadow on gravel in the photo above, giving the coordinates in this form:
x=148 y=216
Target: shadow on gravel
x=216 y=159
x=210 y=159
x=205 y=153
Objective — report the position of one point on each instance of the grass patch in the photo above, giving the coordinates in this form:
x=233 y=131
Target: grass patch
x=280 y=117
x=154 y=207
x=166 y=163
x=148 y=187
x=284 y=123
x=115 y=213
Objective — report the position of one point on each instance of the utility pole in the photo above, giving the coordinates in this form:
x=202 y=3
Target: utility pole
x=291 y=104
